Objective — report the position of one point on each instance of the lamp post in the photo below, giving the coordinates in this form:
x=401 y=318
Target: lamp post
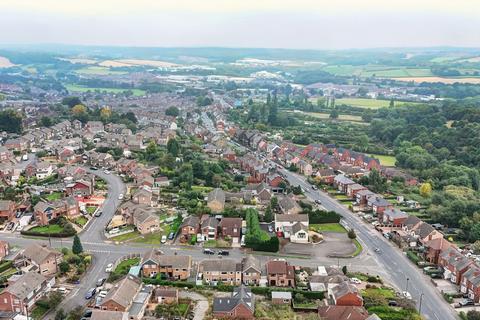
x=406 y=287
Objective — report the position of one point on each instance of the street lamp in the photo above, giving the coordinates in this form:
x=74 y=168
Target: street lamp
x=406 y=288
x=420 y=303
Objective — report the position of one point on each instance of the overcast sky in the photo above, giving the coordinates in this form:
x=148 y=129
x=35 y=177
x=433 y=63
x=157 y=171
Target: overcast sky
x=317 y=24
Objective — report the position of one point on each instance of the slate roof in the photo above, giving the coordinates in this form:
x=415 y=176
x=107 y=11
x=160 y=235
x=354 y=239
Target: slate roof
x=227 y=265
x=216 y=194
x=38 y=253
x=124 y=291
x=291 y=218
x=26 y=284
x=240 y=295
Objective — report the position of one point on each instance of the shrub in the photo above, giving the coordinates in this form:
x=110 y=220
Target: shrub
x=413 y=256
x=5 y=265
x=320 y=216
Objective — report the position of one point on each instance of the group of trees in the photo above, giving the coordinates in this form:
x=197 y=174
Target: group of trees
x=256 y=238
x=11 y=121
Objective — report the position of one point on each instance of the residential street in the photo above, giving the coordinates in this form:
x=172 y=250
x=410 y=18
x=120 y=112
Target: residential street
x=396 y=267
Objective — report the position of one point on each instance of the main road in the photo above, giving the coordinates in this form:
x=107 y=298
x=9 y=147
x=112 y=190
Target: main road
x=396 y=267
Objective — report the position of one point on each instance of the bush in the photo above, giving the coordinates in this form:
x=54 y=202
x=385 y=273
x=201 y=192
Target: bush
x=271 y=245
x=374 y=279
x=413 y=256
x=320 y=216
x=5 y=265
x=193 y=240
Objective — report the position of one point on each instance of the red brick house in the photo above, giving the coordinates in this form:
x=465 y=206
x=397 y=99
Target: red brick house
x=231 y=227
x=190 y=227
x=240 y=305
x=470 y=283
x=280 y=274
x=121 y=296
x=7 y=209
x=346 y=294
x=454 y=264
x=79 y=188
x=434 y=248
x=343 y=313
x=46 y=211
x=394 y=217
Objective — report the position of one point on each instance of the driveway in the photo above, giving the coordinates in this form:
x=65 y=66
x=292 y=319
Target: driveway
x=201 y=306
x=333 y=244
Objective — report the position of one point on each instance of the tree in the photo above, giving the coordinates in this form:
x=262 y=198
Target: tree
x=473 y=315
x=425 y=190
x=10 y=121
x=64 y=267
x=351 y=234
x=79 y=110
x=77 y=245
x=334 y=114
x=71 y=101
x=46 y=122
x=76 y=313
x=54 y=299
x=268 y=216
x=60 y=315
x=173 y=147
x=105 y=113
x=344 y=270
x=172 y=111
x=392 y=103
x=476 y=247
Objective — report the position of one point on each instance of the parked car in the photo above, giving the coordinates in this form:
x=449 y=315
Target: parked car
x=19 y=228
x=355 y=280
x=87 y=314
x=223 y=253
x=120 y=196
x=100 y=282
x=208 y=251
x=106 y=172
x=114 y=231
x=270 y=228
x=171 y=235
x=392 y=303
x=103 y=293
x=464 y=303
x=98 y=213
x=318 y=201
x=90 y=293
x=314 y=187
x=109 y=268
x=10 y=226
x=93 y=168
x=407 y=295
x=164 y=239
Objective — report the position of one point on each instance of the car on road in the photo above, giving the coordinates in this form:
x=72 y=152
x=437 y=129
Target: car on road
x=100 y=282
x=318 y=201
x=164 y=239
x=106 y=172
x=407 y=295
x=270 y=228
x=223 y=253
x=98 y=213
x=25 y=157
x=377 y=250
x=120 y=196
x=10 y=226
x=171 y=235
x=90 y=293
x=314 y=187
x=109 y=268
x=208 y=251
x=464 y=303
x=93 y=168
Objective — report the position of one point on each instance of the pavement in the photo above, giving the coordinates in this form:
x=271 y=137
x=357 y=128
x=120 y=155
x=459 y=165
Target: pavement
x=395 y=266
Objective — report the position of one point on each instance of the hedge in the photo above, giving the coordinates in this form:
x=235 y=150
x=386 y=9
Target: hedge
x=6 y=265
x=320 y=216
x=266 y=291
x=271 y=245
x=52 y=235
x=413 y=257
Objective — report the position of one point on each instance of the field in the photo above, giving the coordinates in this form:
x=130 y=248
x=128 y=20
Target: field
x=342 y=117
x=77 y=88
x=369 y=103
x=136 y=62
x=5 y=63
x=98 y=70
x=388 y=161
x=440 y=79
x=378 y=71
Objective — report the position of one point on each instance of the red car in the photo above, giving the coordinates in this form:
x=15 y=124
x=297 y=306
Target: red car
x=279 y=234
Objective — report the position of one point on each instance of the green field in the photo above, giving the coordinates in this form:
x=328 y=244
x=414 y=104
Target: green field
x=98 y=70
x=54 y=196
x=388 y=161
x=78 y=88
x=342 y=117
x=369 y=103
x=328 y=227
x=378 y=71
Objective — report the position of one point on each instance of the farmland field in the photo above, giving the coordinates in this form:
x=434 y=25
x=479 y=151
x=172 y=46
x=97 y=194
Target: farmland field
x=388 y=161
x=136 y=62
x=369 y=103
x=440 y=79
x=77 y=88
x=98 y=70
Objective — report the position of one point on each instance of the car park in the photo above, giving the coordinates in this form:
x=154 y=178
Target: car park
x=208 y=251
x=90 y=293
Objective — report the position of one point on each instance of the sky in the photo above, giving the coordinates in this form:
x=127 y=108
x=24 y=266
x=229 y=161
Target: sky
x=298 y=24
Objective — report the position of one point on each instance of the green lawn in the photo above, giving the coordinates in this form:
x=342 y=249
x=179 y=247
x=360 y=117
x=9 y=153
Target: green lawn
x=78 y=88
x=38 y=312
x=151 y=238
x=126 y=237
x=52 y=228
x=54 y=196
x=388 y=161
x=91 y=209
x=124 y=266
x=98 y=70
x=393 y=313
x=369 y=103
x=358 y=247
x=328 y=227
x=387 y=293
x=81 y=221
